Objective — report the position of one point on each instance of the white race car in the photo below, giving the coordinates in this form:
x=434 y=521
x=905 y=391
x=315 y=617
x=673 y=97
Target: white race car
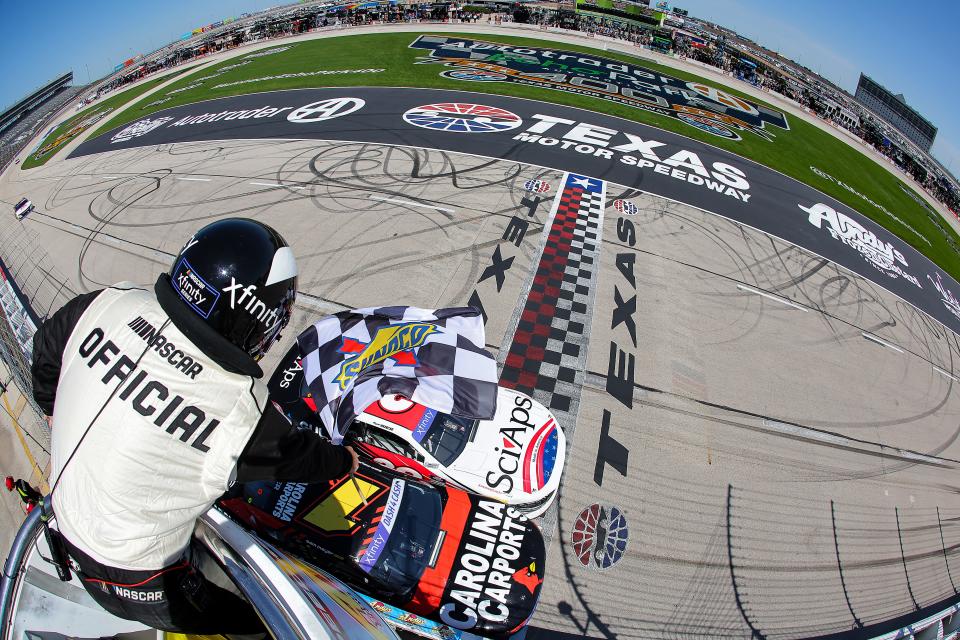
x=516 y=458
x=22 y=208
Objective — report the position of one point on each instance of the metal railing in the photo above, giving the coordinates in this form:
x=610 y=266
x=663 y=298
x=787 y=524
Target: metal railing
x=14 y=566
x=288 y=611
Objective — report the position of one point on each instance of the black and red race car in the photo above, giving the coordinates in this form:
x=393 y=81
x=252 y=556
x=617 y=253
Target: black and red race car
x=434 y=550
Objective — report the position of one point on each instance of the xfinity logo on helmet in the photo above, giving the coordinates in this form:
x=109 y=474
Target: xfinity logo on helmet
x=194 y=290
x=248 y=301
x=325 y=110
x=191 y=284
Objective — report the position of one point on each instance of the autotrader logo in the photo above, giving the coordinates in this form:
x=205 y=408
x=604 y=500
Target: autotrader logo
x=462 y=117
x=325 y=110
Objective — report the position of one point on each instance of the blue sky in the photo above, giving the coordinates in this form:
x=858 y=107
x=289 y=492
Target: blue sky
x=41 y=40
x=902 y=45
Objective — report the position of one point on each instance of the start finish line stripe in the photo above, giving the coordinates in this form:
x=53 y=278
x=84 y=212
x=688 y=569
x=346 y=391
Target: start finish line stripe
x=548 y=354
x=547 y=357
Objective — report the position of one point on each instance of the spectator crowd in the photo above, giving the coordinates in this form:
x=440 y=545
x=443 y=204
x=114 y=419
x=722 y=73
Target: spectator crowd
x=730 y=57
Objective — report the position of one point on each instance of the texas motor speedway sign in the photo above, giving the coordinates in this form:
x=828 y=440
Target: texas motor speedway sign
x=693 y=103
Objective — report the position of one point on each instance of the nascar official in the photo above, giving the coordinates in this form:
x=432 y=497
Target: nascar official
x=157 y=406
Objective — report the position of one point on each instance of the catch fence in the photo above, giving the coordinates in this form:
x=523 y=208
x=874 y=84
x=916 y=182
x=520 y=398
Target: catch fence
x=31 y=288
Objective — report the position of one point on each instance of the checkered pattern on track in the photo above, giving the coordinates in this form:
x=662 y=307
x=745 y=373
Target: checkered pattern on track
x=548 y=354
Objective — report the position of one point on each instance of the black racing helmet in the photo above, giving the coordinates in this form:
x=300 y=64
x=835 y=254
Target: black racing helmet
x=239 y=277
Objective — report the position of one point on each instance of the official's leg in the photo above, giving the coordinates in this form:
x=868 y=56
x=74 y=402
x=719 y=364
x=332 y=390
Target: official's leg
x=177 y=598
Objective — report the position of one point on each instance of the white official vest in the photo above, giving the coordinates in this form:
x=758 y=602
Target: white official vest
x=168 y=426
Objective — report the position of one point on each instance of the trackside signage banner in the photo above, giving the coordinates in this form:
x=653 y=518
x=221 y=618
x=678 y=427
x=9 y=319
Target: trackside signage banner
x=693 y=103
x=567 y=139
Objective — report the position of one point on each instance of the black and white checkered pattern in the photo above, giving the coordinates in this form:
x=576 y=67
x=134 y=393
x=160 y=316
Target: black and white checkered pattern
x=547 y=357
x=435 y=357
x=565 y=353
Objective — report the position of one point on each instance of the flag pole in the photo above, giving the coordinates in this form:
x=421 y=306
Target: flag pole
x=360 y=491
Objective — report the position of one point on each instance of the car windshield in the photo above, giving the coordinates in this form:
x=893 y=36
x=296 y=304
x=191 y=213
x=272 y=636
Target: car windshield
x=384 y=440
x=447 y=437
x=411 y=540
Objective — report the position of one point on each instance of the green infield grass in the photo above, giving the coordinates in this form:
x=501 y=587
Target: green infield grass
x=86 y=118
x=792 y=152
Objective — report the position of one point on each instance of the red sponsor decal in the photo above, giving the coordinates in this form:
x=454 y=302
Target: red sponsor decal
x=395 y=461
x=401 y=357
x=398 y=410
x=527 y=577
x=535 y=446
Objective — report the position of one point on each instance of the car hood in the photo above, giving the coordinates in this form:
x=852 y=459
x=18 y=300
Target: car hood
x=490 y=569
x=519 y=451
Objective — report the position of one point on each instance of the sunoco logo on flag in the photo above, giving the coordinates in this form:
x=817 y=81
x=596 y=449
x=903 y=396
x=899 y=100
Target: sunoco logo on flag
x=395 y=342
x=434 y=357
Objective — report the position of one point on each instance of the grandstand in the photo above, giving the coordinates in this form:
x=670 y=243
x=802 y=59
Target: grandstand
x=881 y=119
x=895 y=110
x=29 y=115
x=10 y=116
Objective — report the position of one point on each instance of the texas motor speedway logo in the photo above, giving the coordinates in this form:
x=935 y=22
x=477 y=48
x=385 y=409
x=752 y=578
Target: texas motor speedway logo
x=693 y=103
x=462 y=117
x=629 y=149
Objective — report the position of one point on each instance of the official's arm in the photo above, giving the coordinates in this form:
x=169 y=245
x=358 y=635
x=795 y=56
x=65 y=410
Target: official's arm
x=49 y=343
x=279 y=451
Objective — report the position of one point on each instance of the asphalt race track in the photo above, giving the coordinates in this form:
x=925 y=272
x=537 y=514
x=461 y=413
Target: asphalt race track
x=565 y=139
x=762 y=439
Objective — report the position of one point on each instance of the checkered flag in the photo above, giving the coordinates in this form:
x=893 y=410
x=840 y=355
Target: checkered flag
x=435 y=357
